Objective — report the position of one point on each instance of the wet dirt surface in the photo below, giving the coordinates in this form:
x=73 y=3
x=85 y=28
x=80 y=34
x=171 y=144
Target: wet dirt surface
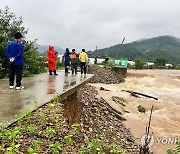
x=40 y=88
x=163 y=84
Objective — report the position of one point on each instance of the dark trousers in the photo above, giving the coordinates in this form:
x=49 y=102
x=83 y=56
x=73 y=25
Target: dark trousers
x=50 y=72
x=66 y=69
x=15 y=70
x=74 y=68
x=83 y=67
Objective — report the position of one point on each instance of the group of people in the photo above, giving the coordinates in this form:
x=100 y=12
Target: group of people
x=69 y=58
x=15 y=54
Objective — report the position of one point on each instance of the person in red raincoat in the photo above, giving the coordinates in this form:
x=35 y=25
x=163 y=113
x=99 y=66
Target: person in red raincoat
x=52 y=60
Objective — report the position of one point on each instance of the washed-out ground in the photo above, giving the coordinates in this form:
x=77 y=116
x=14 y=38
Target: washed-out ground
x=163 y=84
x=41 y=129
x=46 y=130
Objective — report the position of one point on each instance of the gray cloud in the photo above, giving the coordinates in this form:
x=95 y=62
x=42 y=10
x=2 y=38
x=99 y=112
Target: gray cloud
x=85 y=24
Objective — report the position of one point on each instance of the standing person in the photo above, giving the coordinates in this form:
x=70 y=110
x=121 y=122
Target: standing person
x=66 y=60
x=83 y=57
x=52 y=60
x=15 y=54
x=74 y=61
x=95 y=60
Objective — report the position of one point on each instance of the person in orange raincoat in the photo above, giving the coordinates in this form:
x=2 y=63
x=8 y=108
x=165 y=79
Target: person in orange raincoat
x=52 y=60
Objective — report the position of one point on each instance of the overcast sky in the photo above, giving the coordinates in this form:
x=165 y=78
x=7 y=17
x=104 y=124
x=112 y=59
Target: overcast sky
x=87 y=23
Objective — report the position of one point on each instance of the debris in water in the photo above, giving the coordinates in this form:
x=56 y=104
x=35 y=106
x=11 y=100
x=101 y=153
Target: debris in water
x=119 y=100
x=141 y=109
x=102 y=88
x=118 y=114
x=133 y=93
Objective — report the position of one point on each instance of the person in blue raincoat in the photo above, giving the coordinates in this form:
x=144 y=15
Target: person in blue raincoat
x=15 y=54
x=67 y=60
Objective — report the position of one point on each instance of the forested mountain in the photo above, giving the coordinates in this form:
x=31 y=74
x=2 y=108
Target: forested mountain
x=44 y=48
x=166 y=47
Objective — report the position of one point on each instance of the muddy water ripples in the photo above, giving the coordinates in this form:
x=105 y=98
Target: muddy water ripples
x=163 y=84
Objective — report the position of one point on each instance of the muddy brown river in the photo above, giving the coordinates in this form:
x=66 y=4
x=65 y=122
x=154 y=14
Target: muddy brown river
x=165 y=124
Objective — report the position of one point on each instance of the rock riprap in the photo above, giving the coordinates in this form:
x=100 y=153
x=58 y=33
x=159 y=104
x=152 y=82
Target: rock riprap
x=103 y=75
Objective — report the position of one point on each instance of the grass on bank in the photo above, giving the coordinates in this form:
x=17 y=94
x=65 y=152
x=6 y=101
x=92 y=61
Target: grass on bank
x=44 y=131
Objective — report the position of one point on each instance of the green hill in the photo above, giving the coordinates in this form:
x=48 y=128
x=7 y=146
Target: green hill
x=44 y=48
x=167 y=47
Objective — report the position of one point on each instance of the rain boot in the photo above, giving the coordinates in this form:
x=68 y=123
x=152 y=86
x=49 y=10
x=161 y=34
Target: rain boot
x=55 y=72
x=50 y=72
x=66 y=71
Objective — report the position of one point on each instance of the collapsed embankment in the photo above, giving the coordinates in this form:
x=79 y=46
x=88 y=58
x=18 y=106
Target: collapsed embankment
x=47 y=131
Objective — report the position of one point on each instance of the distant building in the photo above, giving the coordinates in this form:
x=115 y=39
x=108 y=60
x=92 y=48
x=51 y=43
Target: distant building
x=131 y=63
x=149 y=63
x=168 y=65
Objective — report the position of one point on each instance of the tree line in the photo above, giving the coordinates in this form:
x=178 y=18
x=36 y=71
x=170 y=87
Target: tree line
x=9 y=24
x=159 y=63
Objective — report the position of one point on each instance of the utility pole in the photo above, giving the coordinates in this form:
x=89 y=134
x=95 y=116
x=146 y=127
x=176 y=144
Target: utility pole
x=144 y=149
x=120 y=47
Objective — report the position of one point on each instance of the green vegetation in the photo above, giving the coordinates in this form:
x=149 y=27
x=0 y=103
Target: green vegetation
x=75 y=126
x=56 y=147
x=139 y=63
x=160 y=62
x=9 y=24
x=31 y=128
x=60 y=65
x=97 y=147
x=174 y=151
x=31 y=134
x=49 y=132
x=13 y=148
x=31 y=151
x=69 y=139
x=42 y=117
x=165 y=47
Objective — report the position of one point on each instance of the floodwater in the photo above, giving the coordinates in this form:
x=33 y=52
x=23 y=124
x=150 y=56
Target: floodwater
x=40 y=88
x=165 y=124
